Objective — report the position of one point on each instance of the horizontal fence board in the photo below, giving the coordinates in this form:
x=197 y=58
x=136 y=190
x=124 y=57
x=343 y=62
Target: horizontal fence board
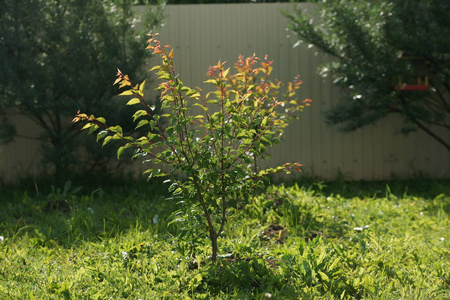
x=201 y=35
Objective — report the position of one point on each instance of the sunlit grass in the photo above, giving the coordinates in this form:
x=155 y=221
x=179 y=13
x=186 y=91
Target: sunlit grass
x=366 y=241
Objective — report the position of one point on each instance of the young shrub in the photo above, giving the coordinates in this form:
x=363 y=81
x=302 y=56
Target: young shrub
x=208 y=157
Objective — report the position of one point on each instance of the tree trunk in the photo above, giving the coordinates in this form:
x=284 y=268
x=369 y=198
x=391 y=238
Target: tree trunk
x=213 y=238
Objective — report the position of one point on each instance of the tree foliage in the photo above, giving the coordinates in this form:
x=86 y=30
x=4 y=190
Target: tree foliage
x=379 y=47
x=58 y=56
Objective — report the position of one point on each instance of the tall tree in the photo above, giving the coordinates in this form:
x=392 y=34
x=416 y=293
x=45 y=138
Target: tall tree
x=392 y=57
x=58 y=56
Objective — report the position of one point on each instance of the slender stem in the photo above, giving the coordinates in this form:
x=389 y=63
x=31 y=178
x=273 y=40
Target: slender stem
x=212 y=232
x=222 y=165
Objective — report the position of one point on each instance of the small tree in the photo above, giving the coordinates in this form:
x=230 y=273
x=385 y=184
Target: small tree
x=56 y=57
x=378 y=45
x=214 y=149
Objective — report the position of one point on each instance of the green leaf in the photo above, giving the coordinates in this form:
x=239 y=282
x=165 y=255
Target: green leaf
x=195 y=96
x=116 y=129
x=139 y=114
x=141 y=123
x=143 y=140
x=191 y=92
x=117 y=136
x=323 y=276
x=225 y=73
x=213 y=81
x=93 y=128
x=334 y=264
x=214 y=101
x=106 y=140
x=178 y=191
x=262 y=173
x=264 y=122
x=321 y=257
x=153 y=137
x=127 y=93
x=142 y=87
x=121 y=149
x=87 y=125
x=164 y=76
x=101 y=134
x=154 y=173
x=155 y=68
x=134 y=101
x=201 y=106
x=101 y=120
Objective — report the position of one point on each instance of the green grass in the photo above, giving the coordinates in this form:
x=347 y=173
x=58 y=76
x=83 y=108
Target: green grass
x=336 y=240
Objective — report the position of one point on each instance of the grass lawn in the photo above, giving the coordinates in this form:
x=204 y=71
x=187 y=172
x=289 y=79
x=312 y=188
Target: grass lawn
x=317 y=241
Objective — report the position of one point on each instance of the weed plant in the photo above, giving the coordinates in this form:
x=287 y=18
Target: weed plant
x=290 y=242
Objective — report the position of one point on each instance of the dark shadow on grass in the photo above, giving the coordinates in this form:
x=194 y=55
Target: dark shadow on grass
x=72 y=213
x=420 y=186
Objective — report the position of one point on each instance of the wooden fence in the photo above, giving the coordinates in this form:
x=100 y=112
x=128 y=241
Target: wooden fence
x=203 y=34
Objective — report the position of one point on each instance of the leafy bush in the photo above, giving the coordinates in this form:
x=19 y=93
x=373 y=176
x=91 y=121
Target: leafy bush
x=212 y=140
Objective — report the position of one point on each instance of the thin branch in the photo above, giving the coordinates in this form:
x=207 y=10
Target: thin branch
x=423 y=127
x=432 y=134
